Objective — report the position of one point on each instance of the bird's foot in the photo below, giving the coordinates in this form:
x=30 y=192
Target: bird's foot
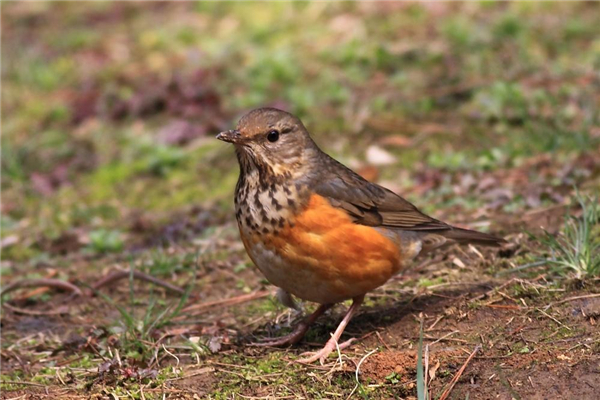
x=322 y=354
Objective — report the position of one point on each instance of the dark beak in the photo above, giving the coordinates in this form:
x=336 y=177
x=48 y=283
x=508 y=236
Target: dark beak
x=231 y=136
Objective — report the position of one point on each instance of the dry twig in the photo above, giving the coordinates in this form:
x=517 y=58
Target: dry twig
x=118 y=275
x=227 y=302
x=587 y=296
x=56 y=283
x=446 y=392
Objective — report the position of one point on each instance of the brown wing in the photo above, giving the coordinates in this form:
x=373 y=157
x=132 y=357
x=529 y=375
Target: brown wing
x=370 y=204
x=373 y=205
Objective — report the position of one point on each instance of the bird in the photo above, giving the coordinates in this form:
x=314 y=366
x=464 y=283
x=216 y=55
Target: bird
x=319 y=231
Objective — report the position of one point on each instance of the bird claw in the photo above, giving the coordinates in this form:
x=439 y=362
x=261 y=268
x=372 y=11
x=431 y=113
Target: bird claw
x=322 y=354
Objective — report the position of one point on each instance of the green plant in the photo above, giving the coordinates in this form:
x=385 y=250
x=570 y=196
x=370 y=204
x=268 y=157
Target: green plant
x=136 y=338
x=577 y=248
x=105 y=241
x=422 y=392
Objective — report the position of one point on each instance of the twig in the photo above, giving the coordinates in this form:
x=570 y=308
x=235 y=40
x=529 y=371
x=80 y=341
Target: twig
x=58 y=311
x=587 y=296
x=434 y=323
x=227 y=302
x=444 y=338
x=201 y=371
x=24 y=383
x=446 y=392
x=503 y=306
x=357 y=372
x=118 y=275
x=552 y=318
x=382 y=341
x=56 y=283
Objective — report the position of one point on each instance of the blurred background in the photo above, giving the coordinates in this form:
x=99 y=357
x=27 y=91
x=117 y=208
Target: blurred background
x=110 y=108
x=483 y=114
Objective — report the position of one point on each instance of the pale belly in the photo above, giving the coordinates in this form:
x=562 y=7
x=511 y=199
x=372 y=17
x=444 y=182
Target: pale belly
x=303 y=283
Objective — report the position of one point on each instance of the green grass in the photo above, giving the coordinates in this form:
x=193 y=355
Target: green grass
x=575 y=251
x=136 y=331
x=422 y=389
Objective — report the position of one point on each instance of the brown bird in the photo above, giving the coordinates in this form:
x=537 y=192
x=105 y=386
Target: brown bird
x=316 y=229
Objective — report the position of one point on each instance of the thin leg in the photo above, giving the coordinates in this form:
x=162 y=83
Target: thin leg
x=299 y=331
x=330 y=346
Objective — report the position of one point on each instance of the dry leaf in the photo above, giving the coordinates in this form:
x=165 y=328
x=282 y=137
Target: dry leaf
x=458 y=262
x=433 y=370
x=378 y=156
x=397 y=140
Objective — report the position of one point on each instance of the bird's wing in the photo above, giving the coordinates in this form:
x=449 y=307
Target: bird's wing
x=370 y=204
x=373 y=205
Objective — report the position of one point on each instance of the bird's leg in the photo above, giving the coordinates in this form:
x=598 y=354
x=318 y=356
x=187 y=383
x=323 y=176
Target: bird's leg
x=286 y=299
x=332 y=343
x=299 y=331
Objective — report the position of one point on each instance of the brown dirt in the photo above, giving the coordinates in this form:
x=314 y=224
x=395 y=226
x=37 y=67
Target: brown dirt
x=528 y=350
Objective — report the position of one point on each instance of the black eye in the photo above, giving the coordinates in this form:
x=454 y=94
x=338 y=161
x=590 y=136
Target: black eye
x=273 y=136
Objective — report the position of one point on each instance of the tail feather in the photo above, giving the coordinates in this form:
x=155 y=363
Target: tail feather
x=468 y=236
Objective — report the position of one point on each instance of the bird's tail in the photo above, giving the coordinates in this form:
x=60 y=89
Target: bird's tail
x=465 y=236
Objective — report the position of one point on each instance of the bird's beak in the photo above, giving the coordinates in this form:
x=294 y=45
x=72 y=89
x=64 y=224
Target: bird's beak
x=230 y=136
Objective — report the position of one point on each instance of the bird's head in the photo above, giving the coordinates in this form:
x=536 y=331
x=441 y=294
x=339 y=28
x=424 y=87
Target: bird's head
x=271 y=140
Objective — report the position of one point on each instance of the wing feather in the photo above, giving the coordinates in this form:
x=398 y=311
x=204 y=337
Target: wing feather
x=370 y=204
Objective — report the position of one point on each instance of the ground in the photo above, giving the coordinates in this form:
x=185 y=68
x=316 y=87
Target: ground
x=484 y=115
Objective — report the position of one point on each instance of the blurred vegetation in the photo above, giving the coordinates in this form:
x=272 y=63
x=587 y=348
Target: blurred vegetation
x=110 y=108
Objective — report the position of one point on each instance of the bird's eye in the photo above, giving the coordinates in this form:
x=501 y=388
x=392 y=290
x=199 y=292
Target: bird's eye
x=273 y=136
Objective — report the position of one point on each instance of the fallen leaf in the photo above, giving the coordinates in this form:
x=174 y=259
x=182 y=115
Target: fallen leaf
x=214 y=344
x=459 y=263
x=397 y=141
x=9 y=241
x=433 y=370
x=378 y=156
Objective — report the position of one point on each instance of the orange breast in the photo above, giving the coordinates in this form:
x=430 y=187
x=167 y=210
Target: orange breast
x=323 y=256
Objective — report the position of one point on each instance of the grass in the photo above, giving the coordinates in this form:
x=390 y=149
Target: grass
x=575 y=251
x=136 y=332
x=422 y=390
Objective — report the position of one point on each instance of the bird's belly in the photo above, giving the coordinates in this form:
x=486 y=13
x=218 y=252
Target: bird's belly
x=322 y=256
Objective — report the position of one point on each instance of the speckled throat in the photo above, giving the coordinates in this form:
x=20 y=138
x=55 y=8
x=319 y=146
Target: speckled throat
x=264 y=200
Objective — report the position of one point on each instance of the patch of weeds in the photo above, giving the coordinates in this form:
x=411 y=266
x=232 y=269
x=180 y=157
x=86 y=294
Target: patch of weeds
x=262 y=307
x=9 y=381
x=44 y=376
x=86 y=361
x=271 y=370
x=576 y=250
x=159 y=160
x=136 y=332
x=393 y=378
x=426 y=282
x=242 y=266
x=502 y=101
x=555 y=333
x=162 y=264
x=106 y=241
x=508 y=27
x=474 y=305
